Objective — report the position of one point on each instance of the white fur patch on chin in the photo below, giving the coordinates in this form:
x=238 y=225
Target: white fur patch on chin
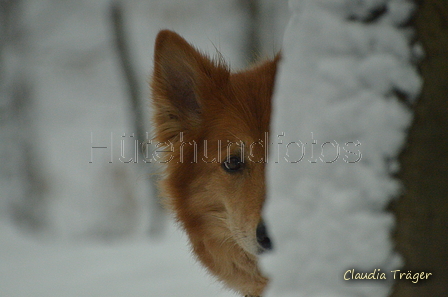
x=250 y=246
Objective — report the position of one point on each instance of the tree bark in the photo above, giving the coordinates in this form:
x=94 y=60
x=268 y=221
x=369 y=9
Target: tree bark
x=421 y=234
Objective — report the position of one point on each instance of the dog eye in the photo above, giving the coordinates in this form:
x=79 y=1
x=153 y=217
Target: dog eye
x=232 y=164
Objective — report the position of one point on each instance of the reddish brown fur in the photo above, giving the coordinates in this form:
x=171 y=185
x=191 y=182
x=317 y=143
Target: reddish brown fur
x=201 y=99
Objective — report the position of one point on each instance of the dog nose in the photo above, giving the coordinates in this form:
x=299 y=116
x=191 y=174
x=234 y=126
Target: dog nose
x=262 y=237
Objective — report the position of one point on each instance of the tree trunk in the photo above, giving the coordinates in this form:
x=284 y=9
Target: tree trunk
x=21 y=181
x=157 y=213
x=422 y=212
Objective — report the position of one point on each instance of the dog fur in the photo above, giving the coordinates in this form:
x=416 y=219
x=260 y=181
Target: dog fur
x=209 y=119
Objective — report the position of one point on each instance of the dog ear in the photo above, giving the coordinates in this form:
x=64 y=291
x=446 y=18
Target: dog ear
x=179 y=72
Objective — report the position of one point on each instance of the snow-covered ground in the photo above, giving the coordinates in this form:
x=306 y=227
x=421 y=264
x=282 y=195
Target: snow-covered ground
x=131 y=268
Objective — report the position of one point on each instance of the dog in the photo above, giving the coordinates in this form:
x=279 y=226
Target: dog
x=213 y=124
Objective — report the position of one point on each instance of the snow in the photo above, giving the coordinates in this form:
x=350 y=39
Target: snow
x=138 y=267
x=337 y=130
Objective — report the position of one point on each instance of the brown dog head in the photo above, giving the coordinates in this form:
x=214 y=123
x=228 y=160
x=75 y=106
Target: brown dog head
x=215 y=126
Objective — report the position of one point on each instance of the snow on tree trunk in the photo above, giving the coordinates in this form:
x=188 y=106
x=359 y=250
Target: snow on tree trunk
x=338 y=126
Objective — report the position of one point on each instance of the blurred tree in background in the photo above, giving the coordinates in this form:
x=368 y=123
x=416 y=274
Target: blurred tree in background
x=21 y=182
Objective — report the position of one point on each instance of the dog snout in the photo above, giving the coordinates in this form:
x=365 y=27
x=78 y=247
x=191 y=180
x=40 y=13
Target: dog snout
x=263 y=238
